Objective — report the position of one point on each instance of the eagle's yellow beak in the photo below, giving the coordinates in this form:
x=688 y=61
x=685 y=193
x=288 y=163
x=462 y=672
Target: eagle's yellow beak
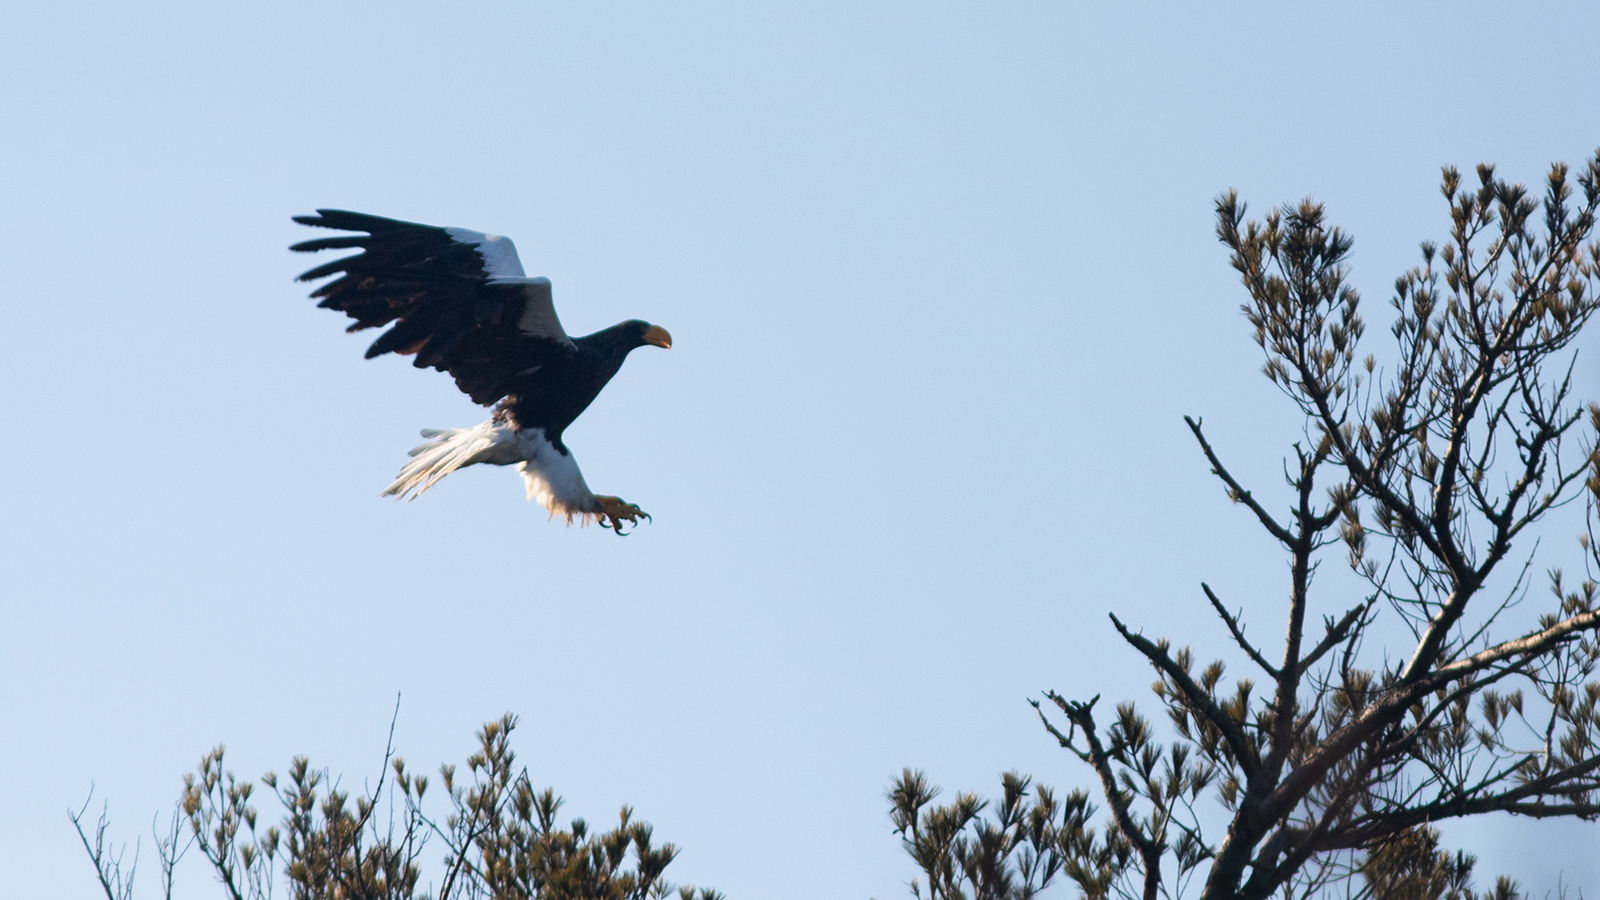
x=658 y=336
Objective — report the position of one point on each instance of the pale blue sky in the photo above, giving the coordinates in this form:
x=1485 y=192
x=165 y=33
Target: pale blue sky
x=941 y=283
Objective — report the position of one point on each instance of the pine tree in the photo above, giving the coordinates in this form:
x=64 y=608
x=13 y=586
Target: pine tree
x=1328 y=762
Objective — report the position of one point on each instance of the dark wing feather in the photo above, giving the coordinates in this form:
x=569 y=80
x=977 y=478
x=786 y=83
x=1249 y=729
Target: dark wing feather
x=457 y=299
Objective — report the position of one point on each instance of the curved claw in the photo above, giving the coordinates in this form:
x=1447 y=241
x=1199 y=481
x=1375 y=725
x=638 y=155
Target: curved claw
x=614 y=511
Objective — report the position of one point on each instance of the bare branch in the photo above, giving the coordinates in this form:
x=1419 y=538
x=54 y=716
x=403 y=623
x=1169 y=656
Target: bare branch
x=1235 y=490
x=1237 y=631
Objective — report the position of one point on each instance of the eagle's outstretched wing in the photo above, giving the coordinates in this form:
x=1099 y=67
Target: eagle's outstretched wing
x=459 y=299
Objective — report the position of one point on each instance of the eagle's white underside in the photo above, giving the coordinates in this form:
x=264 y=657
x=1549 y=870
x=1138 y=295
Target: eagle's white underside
x=552 y=477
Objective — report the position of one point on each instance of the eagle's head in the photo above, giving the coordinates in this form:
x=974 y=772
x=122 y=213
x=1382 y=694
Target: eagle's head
x=641 y=332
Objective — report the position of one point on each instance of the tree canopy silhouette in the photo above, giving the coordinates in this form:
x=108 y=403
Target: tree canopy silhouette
x=1329 y=759
x=500 y=837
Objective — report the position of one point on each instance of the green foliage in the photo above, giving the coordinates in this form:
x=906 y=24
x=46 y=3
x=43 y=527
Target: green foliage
x=1424 y=469
x=1410 y=866
x=1012 y=856
x=500 y=836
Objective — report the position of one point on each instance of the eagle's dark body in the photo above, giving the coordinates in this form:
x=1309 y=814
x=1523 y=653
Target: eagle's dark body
x=565 y=387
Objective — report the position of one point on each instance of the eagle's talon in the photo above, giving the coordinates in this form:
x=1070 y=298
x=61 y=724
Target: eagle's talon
x=614 y=511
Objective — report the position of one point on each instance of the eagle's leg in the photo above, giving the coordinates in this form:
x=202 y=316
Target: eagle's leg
x=617 y=511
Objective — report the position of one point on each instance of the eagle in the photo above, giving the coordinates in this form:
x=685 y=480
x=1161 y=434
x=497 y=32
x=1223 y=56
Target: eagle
x=459 y=302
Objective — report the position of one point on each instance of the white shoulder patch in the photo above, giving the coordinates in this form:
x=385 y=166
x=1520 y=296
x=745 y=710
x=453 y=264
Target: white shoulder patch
x=539 y=310
x=498 y=252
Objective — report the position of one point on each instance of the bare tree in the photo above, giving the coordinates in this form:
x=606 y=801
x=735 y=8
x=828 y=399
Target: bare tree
x=115 y=881
x=1426 y=467
x=500 y=837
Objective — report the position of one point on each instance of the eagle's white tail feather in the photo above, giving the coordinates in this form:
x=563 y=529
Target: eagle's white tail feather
x=448 y=449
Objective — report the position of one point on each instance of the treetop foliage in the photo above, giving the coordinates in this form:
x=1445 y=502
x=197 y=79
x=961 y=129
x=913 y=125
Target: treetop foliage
x=500 y=837
x=1329 y=761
